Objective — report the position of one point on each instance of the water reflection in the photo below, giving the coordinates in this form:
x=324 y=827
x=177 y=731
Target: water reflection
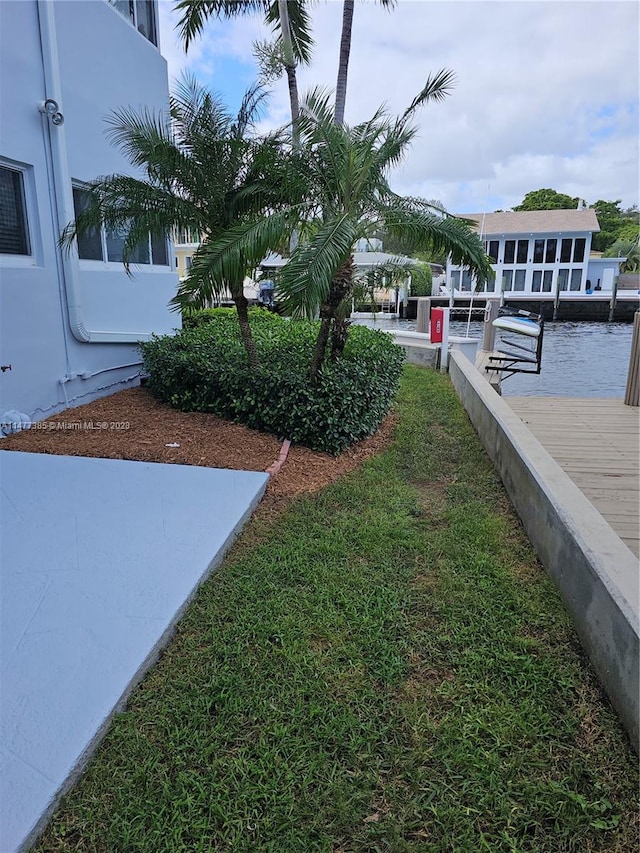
x=578 y=359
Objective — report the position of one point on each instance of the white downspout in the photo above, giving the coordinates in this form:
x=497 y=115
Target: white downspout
x=63 y=190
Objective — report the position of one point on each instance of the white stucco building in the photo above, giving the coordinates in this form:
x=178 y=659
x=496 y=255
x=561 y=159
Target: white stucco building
x=539 y=253
x=70 y=321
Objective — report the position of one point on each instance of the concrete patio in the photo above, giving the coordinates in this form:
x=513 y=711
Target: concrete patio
x=99 y=558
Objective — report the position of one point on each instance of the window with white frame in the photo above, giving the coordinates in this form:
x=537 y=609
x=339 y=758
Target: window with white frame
x=107 y=245
x=575 y=282
x=14 y=230
x=141 y=13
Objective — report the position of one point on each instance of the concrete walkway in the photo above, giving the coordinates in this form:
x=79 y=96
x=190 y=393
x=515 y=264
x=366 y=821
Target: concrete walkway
x=99 y=558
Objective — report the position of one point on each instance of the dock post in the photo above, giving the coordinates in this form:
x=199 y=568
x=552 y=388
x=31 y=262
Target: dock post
x=489 y=332
x=423 y=315
x=556 y=302
x=632 y=393
x=444 y=346
x=614 y=295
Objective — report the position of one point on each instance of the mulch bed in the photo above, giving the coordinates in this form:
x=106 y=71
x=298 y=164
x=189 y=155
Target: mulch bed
x=133 y=425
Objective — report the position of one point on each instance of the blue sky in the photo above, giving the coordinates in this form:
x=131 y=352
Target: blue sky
x=546 y=96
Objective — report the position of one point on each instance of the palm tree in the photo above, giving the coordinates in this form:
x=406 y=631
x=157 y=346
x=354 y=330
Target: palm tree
x=345 y=51
x=289 y=21
x=204 y=170
x=629 y=249
x=338 y=180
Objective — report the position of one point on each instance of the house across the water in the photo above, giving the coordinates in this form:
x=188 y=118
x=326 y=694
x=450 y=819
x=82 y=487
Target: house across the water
x=538 y=253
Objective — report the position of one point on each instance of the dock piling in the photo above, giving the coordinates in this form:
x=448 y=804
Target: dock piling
x=632 y=392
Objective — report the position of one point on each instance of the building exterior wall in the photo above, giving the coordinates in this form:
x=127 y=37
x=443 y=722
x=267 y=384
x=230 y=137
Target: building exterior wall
x=69 y=327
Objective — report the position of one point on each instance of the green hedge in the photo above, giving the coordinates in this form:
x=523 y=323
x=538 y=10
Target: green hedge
x=205 y=369
x=421 y=280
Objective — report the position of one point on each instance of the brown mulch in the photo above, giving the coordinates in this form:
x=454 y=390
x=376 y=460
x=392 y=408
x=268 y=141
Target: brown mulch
x=134 y=425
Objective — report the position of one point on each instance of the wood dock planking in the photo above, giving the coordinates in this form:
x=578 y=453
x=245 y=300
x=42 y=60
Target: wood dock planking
x=597 y=443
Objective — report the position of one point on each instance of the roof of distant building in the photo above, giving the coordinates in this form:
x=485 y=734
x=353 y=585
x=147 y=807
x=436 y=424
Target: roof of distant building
x=536 y=221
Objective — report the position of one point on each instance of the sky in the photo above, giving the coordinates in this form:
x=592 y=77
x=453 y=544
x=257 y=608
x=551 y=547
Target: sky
x=546 y=93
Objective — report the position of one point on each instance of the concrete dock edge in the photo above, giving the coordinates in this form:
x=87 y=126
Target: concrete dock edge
x=594 y=571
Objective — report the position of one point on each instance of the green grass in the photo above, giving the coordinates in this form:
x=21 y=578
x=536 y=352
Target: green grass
x=385 y=668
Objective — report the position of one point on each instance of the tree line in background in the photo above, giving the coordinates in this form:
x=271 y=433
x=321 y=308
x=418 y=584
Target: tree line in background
x=616 y=225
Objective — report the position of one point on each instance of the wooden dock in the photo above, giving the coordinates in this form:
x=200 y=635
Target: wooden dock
x=597 y=443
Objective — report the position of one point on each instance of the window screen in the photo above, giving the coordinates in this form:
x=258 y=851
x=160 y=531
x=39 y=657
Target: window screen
x=14 y=237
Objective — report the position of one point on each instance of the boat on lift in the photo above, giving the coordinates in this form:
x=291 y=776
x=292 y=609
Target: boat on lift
x=519 y=325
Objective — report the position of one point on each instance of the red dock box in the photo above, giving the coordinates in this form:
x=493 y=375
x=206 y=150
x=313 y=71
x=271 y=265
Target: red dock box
x=437 y=325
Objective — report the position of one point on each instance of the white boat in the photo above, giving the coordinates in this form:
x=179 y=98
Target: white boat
x=520 y=325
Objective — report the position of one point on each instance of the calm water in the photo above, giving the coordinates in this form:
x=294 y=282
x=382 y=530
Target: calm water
x=578 y=359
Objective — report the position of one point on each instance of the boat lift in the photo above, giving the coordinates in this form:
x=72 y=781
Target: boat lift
x=518 y=358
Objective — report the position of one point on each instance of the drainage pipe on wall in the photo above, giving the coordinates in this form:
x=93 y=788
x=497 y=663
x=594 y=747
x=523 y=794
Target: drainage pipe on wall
x=63 y=190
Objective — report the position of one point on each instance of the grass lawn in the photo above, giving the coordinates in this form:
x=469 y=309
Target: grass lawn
x=385 y=667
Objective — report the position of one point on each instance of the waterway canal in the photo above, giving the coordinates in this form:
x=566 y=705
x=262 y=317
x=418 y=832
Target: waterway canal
x=578 y=359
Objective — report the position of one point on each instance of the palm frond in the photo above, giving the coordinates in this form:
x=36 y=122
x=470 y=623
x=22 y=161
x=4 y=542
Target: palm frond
x=436 y=88
x=225 y=257
x=299 y=25
x=305 y=282
x=431 y=231
x=195 y=14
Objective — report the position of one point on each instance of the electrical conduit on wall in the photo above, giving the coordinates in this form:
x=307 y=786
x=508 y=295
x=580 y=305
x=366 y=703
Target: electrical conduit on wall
x=63 y=189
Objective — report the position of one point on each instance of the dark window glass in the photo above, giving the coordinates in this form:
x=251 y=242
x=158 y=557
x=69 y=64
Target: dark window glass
x=578 y=250
x=145 y=20
x=576 y=280
x=159 y=250
x=547 y=278
x=509 y=251
x=491 y=282
x=507 y=279
x=537 y=280
x=455 y=279
x=523 y=251
x=115 y=247
x=115 y=244
x=125 y=7
x=140 y=253
x=563 y=279
x=493 y=250
x=14 y=238
x=90 y=243
x=538 y=251
x=519 y=280
x=467 y=281
x=565 y=251
x=552 y=246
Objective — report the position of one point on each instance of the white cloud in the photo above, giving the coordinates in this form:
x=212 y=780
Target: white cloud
x=547 y=92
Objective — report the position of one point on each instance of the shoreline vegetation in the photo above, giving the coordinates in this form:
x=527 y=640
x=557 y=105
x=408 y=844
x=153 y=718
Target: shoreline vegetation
x=382 y=665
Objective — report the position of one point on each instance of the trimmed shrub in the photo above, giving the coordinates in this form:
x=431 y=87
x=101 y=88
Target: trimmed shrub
x=205 y=369
x=193 y=319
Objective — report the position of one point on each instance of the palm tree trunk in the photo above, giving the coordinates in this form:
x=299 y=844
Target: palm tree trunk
x=290 y=66
x=340 y=288
x=242 y=308
x=343 y=63
x=320 y=346
x=339 y=335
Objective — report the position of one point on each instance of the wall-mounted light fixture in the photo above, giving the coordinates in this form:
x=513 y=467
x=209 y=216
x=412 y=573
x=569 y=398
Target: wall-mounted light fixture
x=51 y=109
